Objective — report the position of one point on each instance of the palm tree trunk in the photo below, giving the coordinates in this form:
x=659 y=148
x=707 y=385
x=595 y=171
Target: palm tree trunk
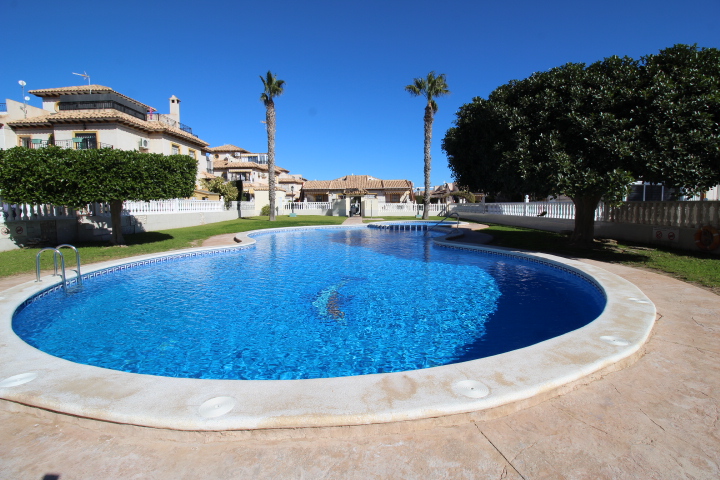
x=428 y=160
x=270 y=119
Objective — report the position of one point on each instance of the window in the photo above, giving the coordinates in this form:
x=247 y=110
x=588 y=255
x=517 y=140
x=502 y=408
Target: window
x=85 y=140
x=393 y=197
x=191 y=152
x=174 y=149
x=24 y=142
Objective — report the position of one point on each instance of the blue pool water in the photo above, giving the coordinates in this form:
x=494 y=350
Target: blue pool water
x=310 y=303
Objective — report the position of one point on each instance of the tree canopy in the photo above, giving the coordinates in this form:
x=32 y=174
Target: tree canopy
x=75 y=178
x=227 y=190
x=590 y=131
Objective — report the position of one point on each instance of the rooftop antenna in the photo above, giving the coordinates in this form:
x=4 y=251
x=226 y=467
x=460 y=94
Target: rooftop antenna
x=84 y=74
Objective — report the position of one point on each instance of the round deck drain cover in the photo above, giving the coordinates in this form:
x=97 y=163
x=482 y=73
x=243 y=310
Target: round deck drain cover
x=471 y=389
x=216 y=407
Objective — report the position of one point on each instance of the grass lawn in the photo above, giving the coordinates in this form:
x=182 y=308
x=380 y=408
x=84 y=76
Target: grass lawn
x=23 y=261
x=699 y=268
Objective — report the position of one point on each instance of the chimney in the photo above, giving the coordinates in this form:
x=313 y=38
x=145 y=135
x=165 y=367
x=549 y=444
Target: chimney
x=175 y=108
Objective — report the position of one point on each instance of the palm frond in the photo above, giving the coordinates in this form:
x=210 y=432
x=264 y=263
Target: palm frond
x=272 y=87
x=429 y=87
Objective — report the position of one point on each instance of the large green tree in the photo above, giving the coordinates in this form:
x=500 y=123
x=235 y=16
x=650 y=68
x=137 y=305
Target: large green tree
x=430 y=87
x=228 y=190
x=679 y=118
x=272 y=87
x=588 y=132
x=75 y=178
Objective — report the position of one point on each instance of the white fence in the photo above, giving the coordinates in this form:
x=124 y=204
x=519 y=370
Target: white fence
x=305 y=206
x=26 y=212
x=409 y=209
x=691 y=214
x=175 y=205
x=662 y=214
x=561 y=210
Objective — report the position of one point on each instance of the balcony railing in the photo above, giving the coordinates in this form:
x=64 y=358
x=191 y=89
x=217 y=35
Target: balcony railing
x=85 y=144
x=100 y=105
x=162 y=118
x=110 y=104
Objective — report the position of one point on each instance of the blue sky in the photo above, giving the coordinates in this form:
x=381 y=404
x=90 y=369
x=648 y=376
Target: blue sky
x=345 y=63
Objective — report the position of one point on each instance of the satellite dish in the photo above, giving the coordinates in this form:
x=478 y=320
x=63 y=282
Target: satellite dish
x=22 y=83
x=27 y=99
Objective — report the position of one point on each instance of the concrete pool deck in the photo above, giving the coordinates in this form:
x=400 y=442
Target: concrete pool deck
x=655 y=419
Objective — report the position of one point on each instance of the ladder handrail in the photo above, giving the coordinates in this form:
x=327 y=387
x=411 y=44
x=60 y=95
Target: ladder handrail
x=62 y=263
x=77 y=260
x=451 y=214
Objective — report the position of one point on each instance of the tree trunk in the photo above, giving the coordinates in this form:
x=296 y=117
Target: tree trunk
x=584 y=232
x=270 y=121
x=116 y=220
x=428 y=160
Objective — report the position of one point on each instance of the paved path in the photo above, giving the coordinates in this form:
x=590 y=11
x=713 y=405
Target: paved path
x=656 y=419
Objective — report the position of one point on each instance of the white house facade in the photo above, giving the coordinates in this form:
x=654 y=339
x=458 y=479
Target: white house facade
x=95 y=116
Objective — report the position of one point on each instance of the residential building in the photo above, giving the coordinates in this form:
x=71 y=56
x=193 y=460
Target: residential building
x=449 y=193
x=386 y=191
x=95 y=116
x=234 y=163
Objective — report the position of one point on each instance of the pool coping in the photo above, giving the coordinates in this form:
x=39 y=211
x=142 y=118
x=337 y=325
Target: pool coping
x=490 y=387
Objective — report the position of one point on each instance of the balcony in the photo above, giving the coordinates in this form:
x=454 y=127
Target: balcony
x=111 y=104
x=159 y=117
x=101 y=105
x=75 y=143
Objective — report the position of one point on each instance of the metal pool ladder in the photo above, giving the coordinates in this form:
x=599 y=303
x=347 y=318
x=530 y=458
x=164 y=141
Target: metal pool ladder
x=452 y=214
x=57 y=252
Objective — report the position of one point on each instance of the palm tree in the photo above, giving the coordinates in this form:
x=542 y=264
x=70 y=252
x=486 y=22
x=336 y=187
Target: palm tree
x=272 y=88
x=429 y=88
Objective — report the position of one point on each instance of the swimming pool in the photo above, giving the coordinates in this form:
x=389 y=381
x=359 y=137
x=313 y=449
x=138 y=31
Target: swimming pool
x=489 y=387
x=311 y=304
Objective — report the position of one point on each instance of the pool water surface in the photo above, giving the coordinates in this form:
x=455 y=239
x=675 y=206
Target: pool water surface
x=311 y=303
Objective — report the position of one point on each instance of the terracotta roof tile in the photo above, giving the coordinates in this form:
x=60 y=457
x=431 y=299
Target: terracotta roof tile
x=227 y=148
x=261 y=187
x=223 y=164
x=104 y=115
x=358 y=182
